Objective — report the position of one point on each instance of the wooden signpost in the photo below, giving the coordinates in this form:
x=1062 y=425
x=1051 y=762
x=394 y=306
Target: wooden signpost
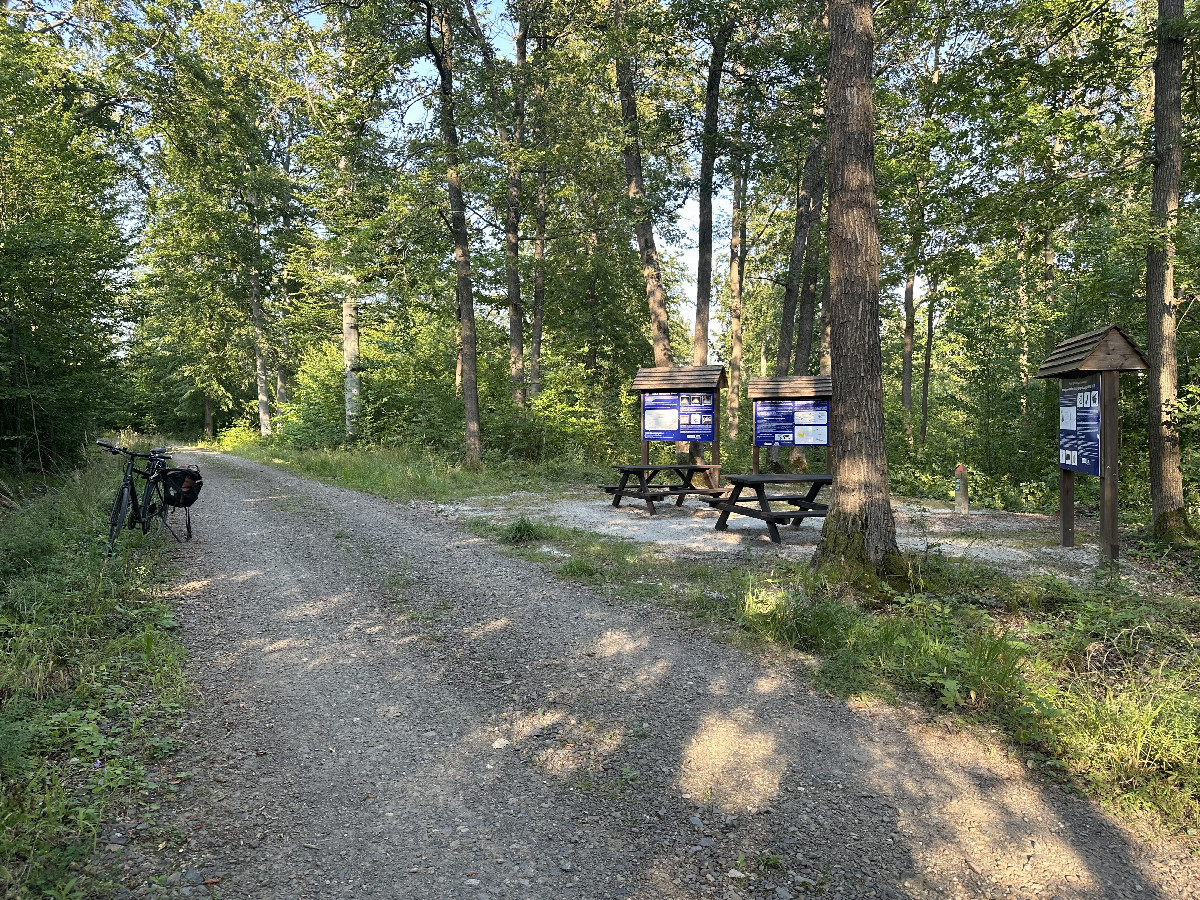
x=682 y=403
x=677 y=404
x=1088 y=367
x=790 y=411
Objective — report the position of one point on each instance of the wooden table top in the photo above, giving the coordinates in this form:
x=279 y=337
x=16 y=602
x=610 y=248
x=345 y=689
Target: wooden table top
x=799 y=478
x=663 y=468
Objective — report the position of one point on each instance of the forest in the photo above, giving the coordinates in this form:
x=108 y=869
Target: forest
x=462 y=227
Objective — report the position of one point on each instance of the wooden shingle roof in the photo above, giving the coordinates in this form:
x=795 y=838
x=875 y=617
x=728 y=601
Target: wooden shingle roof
x=1106 y=349
x=793 y=387
x=679 y=378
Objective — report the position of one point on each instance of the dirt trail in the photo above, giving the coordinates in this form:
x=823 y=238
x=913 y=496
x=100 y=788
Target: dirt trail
x=393 y=709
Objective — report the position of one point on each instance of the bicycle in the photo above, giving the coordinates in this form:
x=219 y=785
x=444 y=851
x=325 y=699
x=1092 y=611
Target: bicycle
x=151 y=511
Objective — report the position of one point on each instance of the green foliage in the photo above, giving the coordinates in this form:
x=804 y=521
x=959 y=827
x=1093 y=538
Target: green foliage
x=60 y=251
x=90 y=681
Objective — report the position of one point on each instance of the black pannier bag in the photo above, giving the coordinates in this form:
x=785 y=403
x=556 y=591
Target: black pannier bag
x=182 y=486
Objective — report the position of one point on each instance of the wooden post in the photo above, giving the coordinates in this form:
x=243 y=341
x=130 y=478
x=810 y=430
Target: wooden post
x=754 y=460
x=962 y=495
x=1066 y=506
x=714 y=474
x=1110 y=442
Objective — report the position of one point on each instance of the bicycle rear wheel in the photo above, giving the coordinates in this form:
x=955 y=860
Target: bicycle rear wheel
x=159 y=509
x=147 y=511
x=116 y=520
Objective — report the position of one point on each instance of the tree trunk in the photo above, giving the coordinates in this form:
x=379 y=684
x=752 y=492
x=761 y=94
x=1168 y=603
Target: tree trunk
x=208 y=415
x=708 y=156
x=591 y=300
x=443 y=58
x=1022 y=317
x=808 y=210
x=825 y=365
x=656 y=298
x=859 y=534
x=1169 y=517
x=260 y=355
x=910 y=330
x=281 y=388
x=930 y=303
x=350 y=366
x=539 y=238
x=512 y=227
x=539 y=286
x=806 y=313
x=735 y=302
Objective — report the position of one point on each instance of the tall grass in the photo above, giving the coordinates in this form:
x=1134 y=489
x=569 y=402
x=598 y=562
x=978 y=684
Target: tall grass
x=90 y=679
x=405 y=473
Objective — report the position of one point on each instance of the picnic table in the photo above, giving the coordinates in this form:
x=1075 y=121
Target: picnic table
x=758 y=506
x=648 y=490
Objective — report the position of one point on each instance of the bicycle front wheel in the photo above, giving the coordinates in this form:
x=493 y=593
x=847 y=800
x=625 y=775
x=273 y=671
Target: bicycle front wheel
x=116 y=521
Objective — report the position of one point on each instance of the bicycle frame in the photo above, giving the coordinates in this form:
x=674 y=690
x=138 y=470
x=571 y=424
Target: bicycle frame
x=128 y=511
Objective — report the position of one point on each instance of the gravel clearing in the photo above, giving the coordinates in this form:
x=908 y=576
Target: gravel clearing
x=394 y=709
x=1017 y=542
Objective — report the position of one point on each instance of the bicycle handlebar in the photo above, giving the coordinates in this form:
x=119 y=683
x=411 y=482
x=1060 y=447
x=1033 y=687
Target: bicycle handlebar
x=155 y=452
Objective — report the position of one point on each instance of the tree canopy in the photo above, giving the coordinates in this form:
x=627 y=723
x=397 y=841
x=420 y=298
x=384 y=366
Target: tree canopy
x=203 y=205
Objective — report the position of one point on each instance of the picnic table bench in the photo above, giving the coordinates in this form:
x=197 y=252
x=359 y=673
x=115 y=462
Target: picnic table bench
x=647 y=490
x=758 y=506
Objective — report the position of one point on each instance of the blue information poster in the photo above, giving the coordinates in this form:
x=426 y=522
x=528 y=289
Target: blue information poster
x=1079 y=425
x=791 y=423
x=677 y=417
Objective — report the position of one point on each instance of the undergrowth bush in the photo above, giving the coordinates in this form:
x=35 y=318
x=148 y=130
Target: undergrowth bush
x=90 y=682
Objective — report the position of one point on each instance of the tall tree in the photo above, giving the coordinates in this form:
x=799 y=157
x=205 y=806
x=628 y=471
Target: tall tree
x=510 y=132
x=441 y=51
x=656 y=296
x=860 y=530
x=1166 y=478
x=810 y=194
x=708 y=156
x=737 y=260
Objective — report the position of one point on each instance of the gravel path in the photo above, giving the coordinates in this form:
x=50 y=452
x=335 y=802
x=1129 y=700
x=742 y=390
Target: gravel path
x=393 y=709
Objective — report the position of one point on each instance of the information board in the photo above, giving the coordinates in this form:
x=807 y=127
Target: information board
x=791 y=423
x=677 y=417
x=1079 y=425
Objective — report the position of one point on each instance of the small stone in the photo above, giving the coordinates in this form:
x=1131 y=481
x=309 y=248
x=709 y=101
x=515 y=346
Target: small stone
x=193 y=876
x=707 y=842
x=736 y=874
x=565 y=865
x=783 y=893
x=697 y=821
x=472 y=882
x=499 y=744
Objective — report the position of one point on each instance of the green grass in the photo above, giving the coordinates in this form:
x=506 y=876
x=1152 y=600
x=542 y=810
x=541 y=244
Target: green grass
x=90 y=681
x=1097 y=686
x=407 y=473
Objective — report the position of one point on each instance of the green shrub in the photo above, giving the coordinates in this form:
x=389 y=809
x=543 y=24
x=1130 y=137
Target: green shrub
x=90 y=681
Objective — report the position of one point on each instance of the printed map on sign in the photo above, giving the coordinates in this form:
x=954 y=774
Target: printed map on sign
x=791 y=423
x=677 y=417
x=1079 y=425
